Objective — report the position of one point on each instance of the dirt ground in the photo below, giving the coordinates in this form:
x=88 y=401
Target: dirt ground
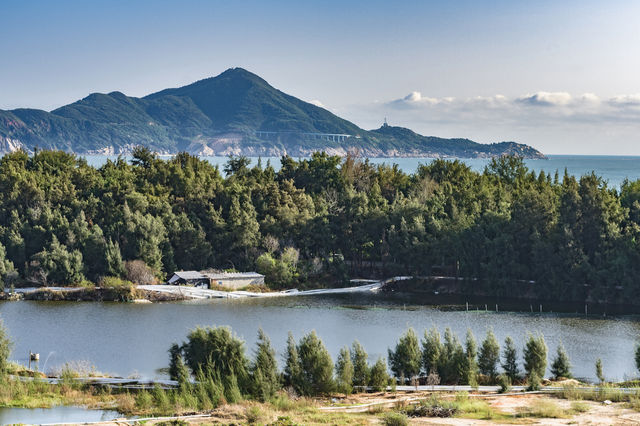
x=364 y=409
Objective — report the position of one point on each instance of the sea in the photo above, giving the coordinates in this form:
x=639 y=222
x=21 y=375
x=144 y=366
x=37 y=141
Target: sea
x=613 y=169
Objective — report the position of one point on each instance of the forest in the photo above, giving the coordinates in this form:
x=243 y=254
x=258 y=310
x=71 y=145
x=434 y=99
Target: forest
x=322 y=219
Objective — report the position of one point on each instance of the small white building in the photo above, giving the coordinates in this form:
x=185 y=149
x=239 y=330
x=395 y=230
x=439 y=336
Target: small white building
x=213 y=280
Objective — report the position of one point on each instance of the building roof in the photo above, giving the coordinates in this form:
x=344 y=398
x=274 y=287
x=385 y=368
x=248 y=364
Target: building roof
x=186 y=275
x=232 y=275
x=195 y=275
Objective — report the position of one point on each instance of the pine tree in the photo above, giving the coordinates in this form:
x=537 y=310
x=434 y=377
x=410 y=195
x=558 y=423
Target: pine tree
x=405 y=360
x=561 y=367
x=316 y=366
x=471 y=353
x=489 y=355
x=510 y=360
x=379 y=376
x=431 y=350
x=599 y=373
x=265 y=380
x=292 y=364
x=535 y=356
x=638 y=356
x=360 y=365
x=344 y=371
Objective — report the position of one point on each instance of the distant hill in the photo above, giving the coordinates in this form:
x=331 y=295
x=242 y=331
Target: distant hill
x=236 y=112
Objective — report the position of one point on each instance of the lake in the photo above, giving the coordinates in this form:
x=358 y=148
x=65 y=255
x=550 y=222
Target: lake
x=133 y=339
x=614 y=169
x=55 y=415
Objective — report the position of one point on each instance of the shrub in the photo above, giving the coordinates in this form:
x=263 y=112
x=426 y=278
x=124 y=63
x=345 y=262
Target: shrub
x=292 y=369
x=5 y=349
x=253 y=414
x=533 y=382
x=138 y=272
x=505 y=383
x=394 y=419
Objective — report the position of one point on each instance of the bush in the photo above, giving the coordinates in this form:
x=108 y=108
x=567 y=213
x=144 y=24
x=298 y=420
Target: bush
x=394 y=419
x=138 y=272
x=344 y=371
x=505 y=383
x=360 y=366
x=599 y=373
x=5 y=349
x=533 y=382
x=264 y=370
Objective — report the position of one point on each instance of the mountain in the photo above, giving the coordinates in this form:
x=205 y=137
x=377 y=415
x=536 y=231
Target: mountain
x=236 y=112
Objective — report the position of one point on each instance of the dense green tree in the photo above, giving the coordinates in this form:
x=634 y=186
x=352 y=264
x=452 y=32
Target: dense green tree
x=344 y=371
x=292 y=368
x=535 y=355
x=265 y=381
x=431 y=350
x=316 y=366
x=379 y=377
x=561 y=367
x=510 y=360
x=405 y=360
x=489 y=356
x=360 y=365
x=218 y=353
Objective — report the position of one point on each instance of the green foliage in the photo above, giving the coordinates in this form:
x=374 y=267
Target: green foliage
x=5 y=349
x=535 y=356
x=489 y=356
x=431 y=350
x=637 y=356
x=533 y=381
x=217 y=352
x=264 y=370
x=344 y=371
x=316 y=366
x=504 y=382
x=394 y=419
x=561 y=367
x=360 y=365
x=379 y=377
x=510 y=360
x=292 y=368
x=599 y=372
x=405 y=360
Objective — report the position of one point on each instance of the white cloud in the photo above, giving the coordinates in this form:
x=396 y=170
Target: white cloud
x=555 y=122
x=546 y=98
x=317 y=103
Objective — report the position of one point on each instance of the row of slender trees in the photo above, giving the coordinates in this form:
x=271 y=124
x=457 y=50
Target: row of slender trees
x=452 y=362
x=319 y=219
x=218 y=354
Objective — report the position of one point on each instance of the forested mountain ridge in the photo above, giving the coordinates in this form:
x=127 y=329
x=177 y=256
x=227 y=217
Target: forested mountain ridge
x=236 y=112
x=317 y=220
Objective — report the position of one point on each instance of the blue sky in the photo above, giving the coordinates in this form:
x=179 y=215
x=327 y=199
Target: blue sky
x=561 y=76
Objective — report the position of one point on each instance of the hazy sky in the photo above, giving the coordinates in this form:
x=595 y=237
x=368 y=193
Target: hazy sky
x=561 y=76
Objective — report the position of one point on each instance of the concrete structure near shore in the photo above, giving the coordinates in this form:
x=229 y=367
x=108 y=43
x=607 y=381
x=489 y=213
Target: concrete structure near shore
x=216 y=280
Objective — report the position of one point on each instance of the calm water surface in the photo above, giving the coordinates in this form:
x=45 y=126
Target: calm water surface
x=130 y=339
x=614 y=169
x=60 y=414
